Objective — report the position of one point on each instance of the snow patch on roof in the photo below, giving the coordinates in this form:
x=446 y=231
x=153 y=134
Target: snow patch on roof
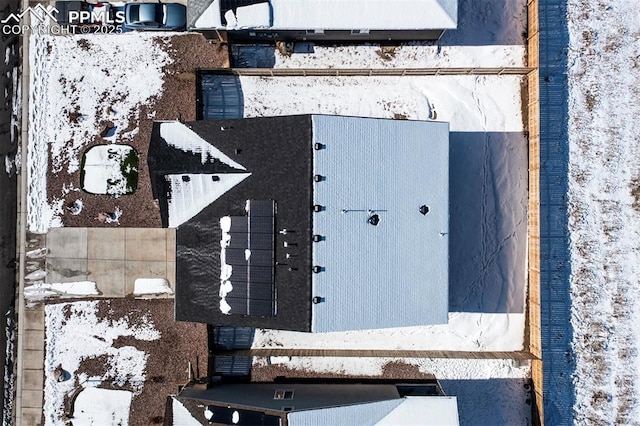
x=210 y=18
x=253 y=16
x=343 y=15
x=225 y=270
x=180 y=136
x=365 y=14
x=182 y=416
x=190 y=193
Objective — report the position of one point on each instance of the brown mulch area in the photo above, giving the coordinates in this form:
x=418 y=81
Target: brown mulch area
x=394 y=370
x=179 y=344
x=178 y=102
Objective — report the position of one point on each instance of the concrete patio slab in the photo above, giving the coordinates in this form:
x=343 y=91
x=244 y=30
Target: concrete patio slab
x=65 y=270
x=171 y=275
x=143 y=269
x=113 y=258
x=105 y=244
x=171 y=245
x=109 y=276
x=146 y=244
x=67 y=243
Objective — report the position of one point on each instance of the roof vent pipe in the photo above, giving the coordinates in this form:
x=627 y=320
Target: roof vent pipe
x=317 y=238
x=318 y=208
x=424 y=209
x=318 y=146
x=317 y=269
x=317 y=299
x=318 y=178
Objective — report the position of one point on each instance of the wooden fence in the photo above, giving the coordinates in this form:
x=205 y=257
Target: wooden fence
x=534 y=326
x=371 y=72
x=377 y=353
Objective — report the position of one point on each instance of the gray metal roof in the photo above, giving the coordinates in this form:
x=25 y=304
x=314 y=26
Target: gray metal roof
x=393 y=274
x=424 y=411
x=357 y=414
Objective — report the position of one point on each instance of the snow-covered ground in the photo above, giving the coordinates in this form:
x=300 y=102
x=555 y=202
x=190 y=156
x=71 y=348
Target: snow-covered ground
x=488 y=173
x=12 y=162
x=490 y=34
x=42 y=290
x=9 y=378
x=465 y=332
x=76 y=333
x=76 y=88
x=95 y=406
x=488 y=198
x=469 y=103
x=604 y=209
x=489 y=165
x=488 y=210
x=409 y=55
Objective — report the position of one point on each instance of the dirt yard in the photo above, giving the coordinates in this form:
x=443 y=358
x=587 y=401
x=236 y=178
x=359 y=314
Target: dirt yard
x=177 y=102
x=168 y=357
x=395 y=370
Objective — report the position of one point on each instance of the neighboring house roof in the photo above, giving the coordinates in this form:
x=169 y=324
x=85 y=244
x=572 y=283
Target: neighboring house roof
x=424 y=411
x=320 y=403
x=192 y=412
x=304 y=396
x=407 y=411
x=246 y=258
x=326 y=14
x=357 y=414
x=181 y=415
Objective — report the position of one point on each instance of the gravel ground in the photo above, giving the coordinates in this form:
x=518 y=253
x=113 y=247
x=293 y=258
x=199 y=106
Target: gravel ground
x=395 y=370
x=177 y=102
x=179 y=344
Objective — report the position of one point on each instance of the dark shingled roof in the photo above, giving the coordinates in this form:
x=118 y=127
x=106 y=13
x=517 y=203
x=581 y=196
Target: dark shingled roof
x=277 y=152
